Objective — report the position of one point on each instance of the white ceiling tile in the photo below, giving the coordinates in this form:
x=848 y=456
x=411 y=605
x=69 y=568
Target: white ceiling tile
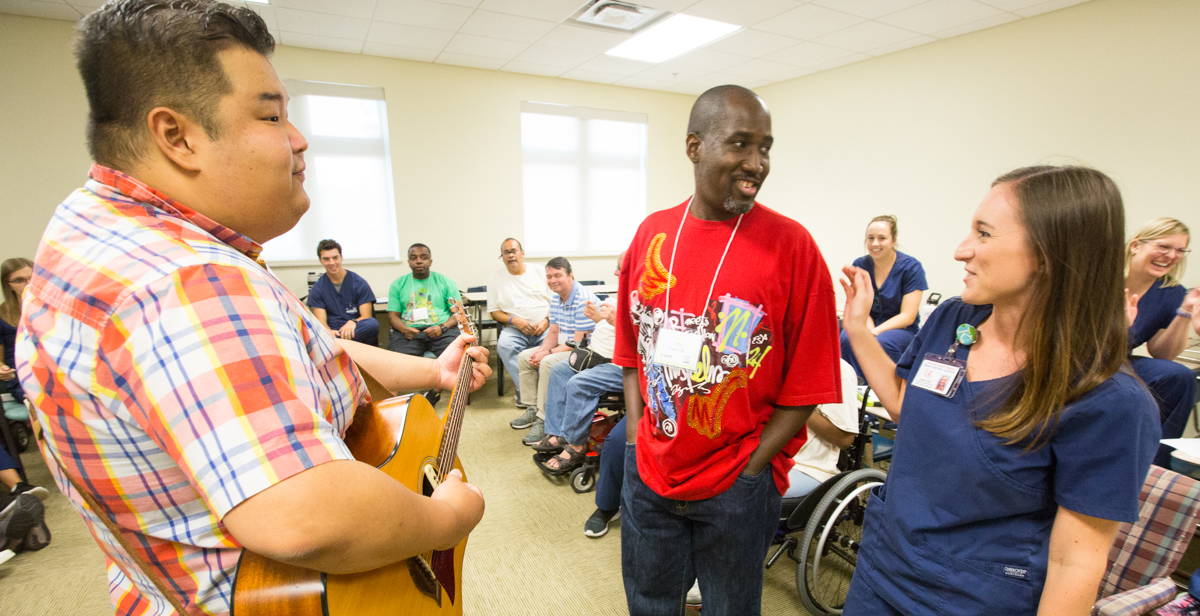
x=706 y=59
x=546 y=10
x=1012 y=5
x=739 y=13
x=752 y=43
x=313 y=41
x=842 y=61
x=533 y=69
x=553 y=56
x=320 y=24
x=267 y=13
x=397 y=51
x=645 y=84
x=807 y=54
x=422 y=13
x=1046 y=7
x=582 y=39
x=674 y=6
x=467 y=3
x=506 y=27
x=864 y=36
x=459 y=59
x=760 y=69
x=937 y=15
x=1000 y=19
x=471 y=45
x=582 y=75
x=671 y=74
x=617 y=66
x=45 y=10
x=912 y=42
x=808 y=22
x=408 y=36
x=868 y=8
x=349 y=8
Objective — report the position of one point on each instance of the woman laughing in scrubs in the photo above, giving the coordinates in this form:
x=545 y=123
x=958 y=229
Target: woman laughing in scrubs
x=1025 y=437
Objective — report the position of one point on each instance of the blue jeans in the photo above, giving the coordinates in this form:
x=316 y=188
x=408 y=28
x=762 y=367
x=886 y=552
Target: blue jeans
x=572 y=398
x=508 y=346
x=893 y=341
x=666 y=544
x=612 y=469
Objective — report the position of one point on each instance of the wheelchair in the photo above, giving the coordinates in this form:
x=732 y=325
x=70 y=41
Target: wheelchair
x=822 y=530
x=609 y=411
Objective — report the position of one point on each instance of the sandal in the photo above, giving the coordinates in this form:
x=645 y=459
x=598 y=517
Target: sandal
x=565 y=466
x=545 y=446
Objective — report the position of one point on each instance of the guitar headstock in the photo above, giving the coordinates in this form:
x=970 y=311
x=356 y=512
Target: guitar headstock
x=464 y=322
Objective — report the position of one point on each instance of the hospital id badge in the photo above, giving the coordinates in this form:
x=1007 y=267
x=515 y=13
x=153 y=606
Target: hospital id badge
x=940 y=374
x=677 y=349
x=420 y=314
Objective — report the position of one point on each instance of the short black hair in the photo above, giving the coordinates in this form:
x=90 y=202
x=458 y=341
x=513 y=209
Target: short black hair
x=135 y=55
x=712 y=107
x=324 y=245
x=419 y=245
x=511 y=239
x=560 y=263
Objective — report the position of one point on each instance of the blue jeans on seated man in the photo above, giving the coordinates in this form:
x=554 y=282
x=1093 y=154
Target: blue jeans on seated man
x=800 y=483
x=509 y=345
x=421 y=342
x=893 y=341
x=666 y=544
x=572 y=398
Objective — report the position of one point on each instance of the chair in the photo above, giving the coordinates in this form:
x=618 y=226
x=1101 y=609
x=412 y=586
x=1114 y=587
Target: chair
x=483 y=321
x=1146 y=553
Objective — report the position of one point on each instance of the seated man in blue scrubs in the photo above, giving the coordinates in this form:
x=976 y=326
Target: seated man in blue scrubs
x=341 y=300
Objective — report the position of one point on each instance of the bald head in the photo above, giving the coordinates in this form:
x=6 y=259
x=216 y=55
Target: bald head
x=712 y=108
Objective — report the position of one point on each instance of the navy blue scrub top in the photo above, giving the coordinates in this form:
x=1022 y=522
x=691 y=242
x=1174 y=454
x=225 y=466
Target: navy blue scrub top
x=8 y=338
x=906 y=276
x=1156 y=310
x=340 y=306
x=962 y=525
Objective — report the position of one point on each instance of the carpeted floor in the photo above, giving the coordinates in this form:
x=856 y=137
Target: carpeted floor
x=528 y=557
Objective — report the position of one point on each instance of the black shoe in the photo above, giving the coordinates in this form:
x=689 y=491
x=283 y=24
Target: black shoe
x=19 y=515
x=433 y=396
x=32 y=490
x=597 y=525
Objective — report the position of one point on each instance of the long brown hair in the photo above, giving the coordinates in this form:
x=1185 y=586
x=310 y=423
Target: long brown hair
x=1074 y=329
x=10 y=310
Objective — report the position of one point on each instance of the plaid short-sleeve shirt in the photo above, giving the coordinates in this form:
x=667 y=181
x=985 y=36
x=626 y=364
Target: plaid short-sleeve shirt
x=174 y=378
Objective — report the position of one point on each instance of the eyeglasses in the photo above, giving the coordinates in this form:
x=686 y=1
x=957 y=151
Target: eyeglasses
x=18 y=281
x=1167 y=249
x=508 y=253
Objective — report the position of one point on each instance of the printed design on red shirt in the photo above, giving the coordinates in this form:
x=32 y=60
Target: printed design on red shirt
x=736 y=339
x=655 y=278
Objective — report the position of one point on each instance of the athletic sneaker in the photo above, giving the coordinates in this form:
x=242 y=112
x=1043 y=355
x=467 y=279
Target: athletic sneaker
x=597 y=525
x=693 y=596
x=536 y=433
x=517 y=402
x=1183 y=605
x=20 y=513
x=527 y=419
x=25 y=488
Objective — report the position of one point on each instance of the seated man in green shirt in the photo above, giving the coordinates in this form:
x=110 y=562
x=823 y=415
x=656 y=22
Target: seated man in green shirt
x=419 y=307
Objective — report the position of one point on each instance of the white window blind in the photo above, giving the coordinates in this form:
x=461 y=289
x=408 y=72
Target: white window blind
x=348 y=175
x=584 y=178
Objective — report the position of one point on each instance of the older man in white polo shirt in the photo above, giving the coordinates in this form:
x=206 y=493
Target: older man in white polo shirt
x=519 y=299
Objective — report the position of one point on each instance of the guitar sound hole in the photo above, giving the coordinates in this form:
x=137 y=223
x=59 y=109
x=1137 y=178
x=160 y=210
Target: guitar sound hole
x=427 y=483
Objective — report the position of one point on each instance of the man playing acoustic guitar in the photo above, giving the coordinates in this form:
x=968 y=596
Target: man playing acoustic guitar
x=177 y=381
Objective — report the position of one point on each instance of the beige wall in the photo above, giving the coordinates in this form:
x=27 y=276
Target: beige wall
x=919 y=133
x=922 y=133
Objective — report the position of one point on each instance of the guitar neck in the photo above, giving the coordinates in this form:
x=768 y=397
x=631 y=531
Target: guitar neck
x=456 y=408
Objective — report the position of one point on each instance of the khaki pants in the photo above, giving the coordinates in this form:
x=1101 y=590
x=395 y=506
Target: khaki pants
x=536 y=379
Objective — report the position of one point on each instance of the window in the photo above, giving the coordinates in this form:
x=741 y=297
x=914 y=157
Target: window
x=348 y=175
x=584 y=177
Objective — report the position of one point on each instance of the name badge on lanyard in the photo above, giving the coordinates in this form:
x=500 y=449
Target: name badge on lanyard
x=420 y=314
x=940 y=374
x=677 y=349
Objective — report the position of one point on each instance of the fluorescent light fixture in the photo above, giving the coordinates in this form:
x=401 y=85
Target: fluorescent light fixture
x=259 y=1
x=674 y=36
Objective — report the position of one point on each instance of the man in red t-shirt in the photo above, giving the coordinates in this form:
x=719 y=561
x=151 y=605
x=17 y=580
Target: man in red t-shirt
x=729 y=341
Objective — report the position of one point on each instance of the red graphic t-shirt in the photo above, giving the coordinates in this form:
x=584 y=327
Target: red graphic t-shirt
x=769 y=339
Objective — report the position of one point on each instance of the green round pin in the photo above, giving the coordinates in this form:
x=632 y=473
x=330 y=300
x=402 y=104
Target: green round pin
x=966 y=334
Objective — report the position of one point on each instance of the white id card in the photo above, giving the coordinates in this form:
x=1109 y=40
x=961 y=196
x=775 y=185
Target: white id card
x=420 y=314
x=940 y=374
x=677 y=349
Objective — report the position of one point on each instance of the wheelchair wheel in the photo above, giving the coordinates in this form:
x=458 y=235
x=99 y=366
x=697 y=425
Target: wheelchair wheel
x=583 y=479
x=829 y=549
x=21 y=435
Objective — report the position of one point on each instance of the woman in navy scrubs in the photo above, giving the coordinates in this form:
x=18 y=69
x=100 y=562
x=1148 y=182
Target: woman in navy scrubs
x=898 y=280
x=1154 y=262
x=14 y=275
x=1005 y=493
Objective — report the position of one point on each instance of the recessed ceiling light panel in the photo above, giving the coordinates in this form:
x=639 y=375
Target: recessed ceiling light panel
x=674 y=36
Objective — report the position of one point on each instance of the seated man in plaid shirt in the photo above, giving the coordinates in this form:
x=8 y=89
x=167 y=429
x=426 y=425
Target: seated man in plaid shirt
x=191 y=394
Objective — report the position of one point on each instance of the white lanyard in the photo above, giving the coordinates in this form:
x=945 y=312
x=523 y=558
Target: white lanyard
x=671 y=265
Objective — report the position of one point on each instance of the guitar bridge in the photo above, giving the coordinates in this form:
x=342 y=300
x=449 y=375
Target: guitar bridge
x=424 y=579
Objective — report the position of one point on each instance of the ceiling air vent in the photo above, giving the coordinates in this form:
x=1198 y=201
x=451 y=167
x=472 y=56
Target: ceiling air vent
x=619 y=16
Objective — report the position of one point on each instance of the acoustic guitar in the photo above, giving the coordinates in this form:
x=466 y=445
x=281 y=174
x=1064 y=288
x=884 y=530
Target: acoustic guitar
x=403 y=437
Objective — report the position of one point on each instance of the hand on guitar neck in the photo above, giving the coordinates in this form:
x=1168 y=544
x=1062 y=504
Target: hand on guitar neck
x=398 y=372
